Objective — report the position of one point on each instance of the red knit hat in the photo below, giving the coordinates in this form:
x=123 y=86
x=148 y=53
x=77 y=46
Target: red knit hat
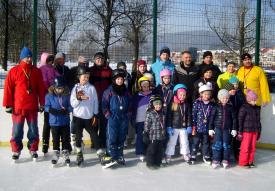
x=141 y=62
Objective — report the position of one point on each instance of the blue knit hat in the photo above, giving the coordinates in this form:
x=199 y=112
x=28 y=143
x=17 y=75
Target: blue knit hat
x=25 y=52
x=233 y=80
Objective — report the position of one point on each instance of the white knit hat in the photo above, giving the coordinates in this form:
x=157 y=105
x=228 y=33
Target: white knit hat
x=205 y=87
x=223 y=93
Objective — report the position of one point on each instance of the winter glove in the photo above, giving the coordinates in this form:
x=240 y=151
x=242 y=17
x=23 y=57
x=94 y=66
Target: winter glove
x=41 y=108
x=211 y=133
x=258 y=136
x=94 y=121
x=240 y=136
x=189 y=130
x=170 y=131
x=145 y=138
x=9 y=110
x=234 y=133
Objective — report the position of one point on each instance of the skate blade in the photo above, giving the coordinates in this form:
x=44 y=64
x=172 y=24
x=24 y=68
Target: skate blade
x=34 y=159
x=109 y=165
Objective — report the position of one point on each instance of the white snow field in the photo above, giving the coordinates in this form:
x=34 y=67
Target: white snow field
x=27 y=175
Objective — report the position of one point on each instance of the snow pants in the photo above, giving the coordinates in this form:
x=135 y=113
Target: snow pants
x=140 y=147
x=221 y=145
x=248 y=148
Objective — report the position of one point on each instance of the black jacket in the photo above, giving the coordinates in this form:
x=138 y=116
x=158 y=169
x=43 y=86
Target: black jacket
x=175 y=118
x=223 y=117
x=187 y=76
x=65 y=72
x=250 y=118
x=216 y=70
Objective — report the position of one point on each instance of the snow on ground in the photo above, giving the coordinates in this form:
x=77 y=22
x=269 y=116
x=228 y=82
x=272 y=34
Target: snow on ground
x=40 y=175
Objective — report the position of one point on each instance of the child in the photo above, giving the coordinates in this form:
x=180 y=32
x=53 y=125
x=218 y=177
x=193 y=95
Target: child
x=58 y=106
x=85 y=109
x=222 y=122
x=202 y=108
x=140 y=103
x=237 y=99
x=141 y=69
x=179 y=123
x=155 y=130
x=115 y=106
x=127 y=82
x=165 y=89
x=249 y=129
x=151 y=78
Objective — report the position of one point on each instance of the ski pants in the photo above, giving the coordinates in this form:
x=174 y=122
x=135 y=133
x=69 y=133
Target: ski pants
x=248 y=148
x=221 y=145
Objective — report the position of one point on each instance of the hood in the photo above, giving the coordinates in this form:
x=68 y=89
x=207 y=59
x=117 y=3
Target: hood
x=43 y=59
x=167 y=62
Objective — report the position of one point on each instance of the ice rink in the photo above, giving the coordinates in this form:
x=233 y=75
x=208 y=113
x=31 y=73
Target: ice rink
x=27 y=175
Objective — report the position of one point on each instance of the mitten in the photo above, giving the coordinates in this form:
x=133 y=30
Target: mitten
x=9 y=109
x=170 y=131
x=189 y=130
x=240 y=136
x=234 y=133
x=211 y=133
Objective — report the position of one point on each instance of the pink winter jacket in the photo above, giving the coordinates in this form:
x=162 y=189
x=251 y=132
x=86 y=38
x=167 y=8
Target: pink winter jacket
x=48 y=71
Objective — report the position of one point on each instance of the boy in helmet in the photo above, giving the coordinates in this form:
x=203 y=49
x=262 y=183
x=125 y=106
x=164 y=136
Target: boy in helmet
x=140 y=103
x=58 y=106
x=85 y=110
x=115 y=107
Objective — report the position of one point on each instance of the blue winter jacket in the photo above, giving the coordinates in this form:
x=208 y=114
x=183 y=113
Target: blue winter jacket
x=114 y=105
x=52 y=101
x=160 y=65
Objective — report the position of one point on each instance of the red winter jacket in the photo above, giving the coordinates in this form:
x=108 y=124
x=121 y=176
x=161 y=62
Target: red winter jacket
x=101 y=78
x=16 y=86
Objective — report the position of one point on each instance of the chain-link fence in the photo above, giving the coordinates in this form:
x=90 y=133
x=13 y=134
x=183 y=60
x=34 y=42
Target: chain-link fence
x=123 y=30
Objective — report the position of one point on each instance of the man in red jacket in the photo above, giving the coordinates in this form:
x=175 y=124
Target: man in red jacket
x=24 y=89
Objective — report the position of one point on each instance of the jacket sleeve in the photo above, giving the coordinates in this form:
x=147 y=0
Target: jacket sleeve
x=74 y=101
x=41 y=88
x=234 y=119
x=47 y=103
x=169 y=118
x=265 y=94
x=194 y=113
x=69 y=106
x=147 y=122
x=8 y=99
x=106 y=103
x=189 y=115
x=212 y=118
x=219 y=83
x=95 y=101
x=241 y=117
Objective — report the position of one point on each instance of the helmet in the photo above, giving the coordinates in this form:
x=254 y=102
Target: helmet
x=165 y=72
x=82 y=70
x=99 y=55
x=179 y=86
x=149 y=75
x=142 y=79
x=59 y=81
x=118 y=73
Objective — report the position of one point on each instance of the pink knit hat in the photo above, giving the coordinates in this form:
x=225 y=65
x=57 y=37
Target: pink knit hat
x=251 y=95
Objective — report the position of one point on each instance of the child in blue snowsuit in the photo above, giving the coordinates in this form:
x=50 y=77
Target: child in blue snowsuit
x=115 y=106
x=58 y=106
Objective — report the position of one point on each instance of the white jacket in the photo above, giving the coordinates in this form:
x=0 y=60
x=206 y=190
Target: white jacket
x=84 y=109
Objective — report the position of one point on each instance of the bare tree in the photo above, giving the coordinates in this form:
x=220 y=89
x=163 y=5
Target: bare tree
x=137 y=25
x=236 y=34
x=272 y=4
x=55 y=21
x=105 y=15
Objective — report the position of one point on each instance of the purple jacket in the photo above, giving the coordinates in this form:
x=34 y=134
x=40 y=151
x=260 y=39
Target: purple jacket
x=48 y=71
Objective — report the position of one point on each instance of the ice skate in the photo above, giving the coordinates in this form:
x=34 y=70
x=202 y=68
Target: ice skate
x=66 y=156
x=55 y=157
x=225 y=164
x=15 y=156
x=192 y=160
x=34 y=155
x=207 y=160
x=109 y=164
x=141 y=158
x=186 y=158
x=168 y=159
x=73 y=144
x=45 y=149
x=121 y=161
x=79 y=159
x=215 y=164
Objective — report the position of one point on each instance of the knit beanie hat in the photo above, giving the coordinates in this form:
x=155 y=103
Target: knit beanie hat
x=251 y=95
x=246 y=55
x=141 y=62
x=233 y=80
x=82 y=59
x=121 y=64
x=228 y=86
x=99 y=55
x=207 y=53
x=223 y=93
x=205 y=87
x=25 y=52
x=164 y=50
x=59 y=55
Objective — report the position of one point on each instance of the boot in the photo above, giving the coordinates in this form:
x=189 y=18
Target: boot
x=66 y=156
x=55 y=157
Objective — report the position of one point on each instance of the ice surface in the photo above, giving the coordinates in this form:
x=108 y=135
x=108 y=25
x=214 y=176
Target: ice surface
x=39 y=176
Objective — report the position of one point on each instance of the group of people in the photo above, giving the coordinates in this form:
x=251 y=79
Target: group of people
x=196 y=106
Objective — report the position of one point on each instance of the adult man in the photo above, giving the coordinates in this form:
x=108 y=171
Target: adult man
x=208 y=61
x=163 y=61
x=24 y=88
x=253 y=77
x=101 y=78
x=187 y=73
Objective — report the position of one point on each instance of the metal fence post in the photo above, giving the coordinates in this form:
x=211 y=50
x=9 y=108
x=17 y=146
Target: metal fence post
x=34 y=32
x=258 y=33
x=155 y=22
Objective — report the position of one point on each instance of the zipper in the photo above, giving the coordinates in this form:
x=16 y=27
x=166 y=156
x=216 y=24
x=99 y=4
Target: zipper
x=223 y=116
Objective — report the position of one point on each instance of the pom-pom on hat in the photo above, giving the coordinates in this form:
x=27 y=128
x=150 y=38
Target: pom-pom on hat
x=205 y=87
